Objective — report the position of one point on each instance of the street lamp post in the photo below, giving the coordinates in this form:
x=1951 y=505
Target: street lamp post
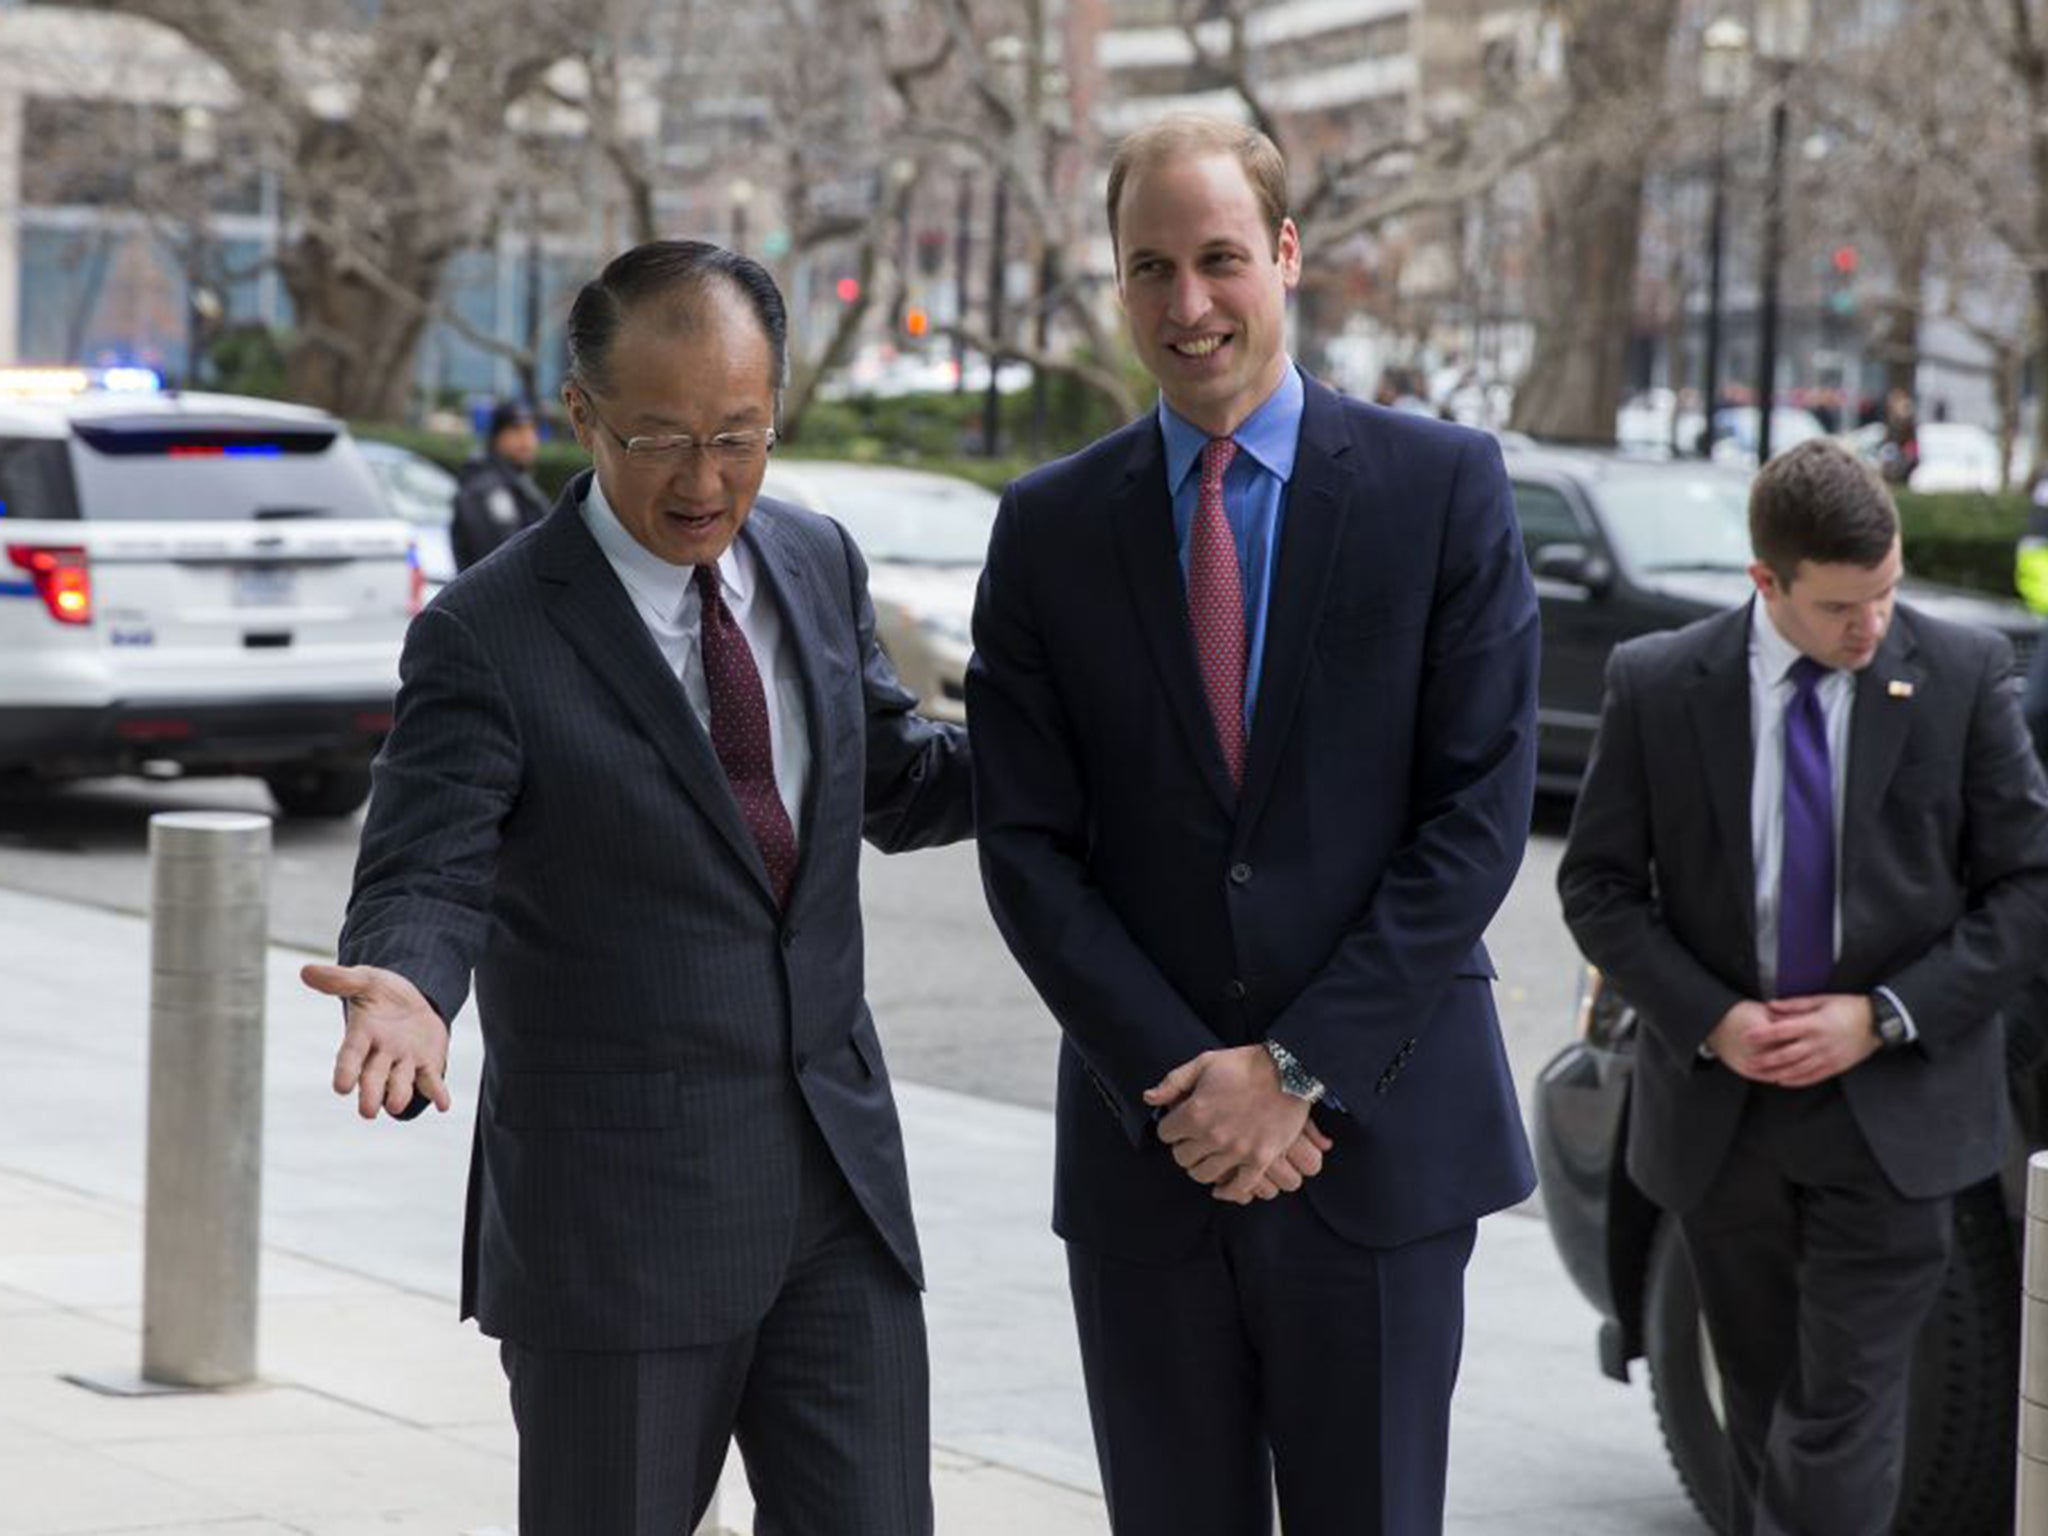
x=1782 y=30
x=1724 y=77
x=742 y=193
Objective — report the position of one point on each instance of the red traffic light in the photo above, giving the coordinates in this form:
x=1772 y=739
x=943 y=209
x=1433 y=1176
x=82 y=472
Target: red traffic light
x=848 y=289
x=1845 y=259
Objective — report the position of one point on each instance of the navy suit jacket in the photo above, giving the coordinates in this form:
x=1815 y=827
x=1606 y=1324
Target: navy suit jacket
x=659 y=1039
x=1335 y=905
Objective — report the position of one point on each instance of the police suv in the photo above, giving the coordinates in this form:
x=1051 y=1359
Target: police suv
x=193 y=583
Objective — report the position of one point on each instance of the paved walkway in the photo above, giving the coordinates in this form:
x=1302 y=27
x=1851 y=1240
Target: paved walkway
x=378 y=1412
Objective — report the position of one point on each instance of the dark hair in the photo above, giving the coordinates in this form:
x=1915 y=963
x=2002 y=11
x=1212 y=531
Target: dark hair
x=506 y=415
x=1817 y=501
x=1184 y=134
x=681 y=270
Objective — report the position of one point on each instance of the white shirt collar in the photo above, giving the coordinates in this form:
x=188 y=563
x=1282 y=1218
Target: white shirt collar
x=659 y=585
x=1767 y=643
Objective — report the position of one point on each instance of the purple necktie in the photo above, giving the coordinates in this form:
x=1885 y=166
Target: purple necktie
x=1216 y=607
x=1806 y=884
x=739 y=732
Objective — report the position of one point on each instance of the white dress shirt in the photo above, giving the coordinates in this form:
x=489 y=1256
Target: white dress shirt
x=1771 y=657
x=666 y=598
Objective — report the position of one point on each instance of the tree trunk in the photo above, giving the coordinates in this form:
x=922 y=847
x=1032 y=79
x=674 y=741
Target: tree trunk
x=2039 y=284
x=352 y=348
x=1898 y=331
x=1585 y=291
x=1591 y=219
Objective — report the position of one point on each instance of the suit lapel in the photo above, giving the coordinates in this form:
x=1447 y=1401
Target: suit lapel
x=588 y=605
x=1142 y=513
x=1717 y=700
x=1309 y=539
x=792 y=585
x=1879 y=722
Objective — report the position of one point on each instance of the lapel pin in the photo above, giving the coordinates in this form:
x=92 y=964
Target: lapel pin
x=1898 y=688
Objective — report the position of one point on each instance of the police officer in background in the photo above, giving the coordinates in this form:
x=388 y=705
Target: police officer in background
x=2030 y=576
x=496 y=496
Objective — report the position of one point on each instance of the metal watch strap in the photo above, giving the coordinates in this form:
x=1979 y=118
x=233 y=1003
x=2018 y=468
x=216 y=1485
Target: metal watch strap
x=1887 y=1022
x=1295 y=1080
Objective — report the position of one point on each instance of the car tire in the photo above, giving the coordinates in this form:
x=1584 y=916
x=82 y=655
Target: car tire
x=308 y=792
x=1961 y=1411
x=1684 y=1384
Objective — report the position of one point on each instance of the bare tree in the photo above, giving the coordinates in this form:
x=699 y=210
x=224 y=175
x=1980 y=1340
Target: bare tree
x=1589 y=226
x=390 y=138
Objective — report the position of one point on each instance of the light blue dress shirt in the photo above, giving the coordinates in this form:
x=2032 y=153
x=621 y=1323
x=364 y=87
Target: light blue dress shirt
x=1254 y=502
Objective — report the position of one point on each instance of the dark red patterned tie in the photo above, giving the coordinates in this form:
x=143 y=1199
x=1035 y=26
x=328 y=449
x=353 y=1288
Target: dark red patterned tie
x=739 y=732
x=1216 y=607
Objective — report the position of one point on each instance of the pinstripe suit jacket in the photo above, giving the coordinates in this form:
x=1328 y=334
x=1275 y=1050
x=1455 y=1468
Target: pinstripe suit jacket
x=548 y=813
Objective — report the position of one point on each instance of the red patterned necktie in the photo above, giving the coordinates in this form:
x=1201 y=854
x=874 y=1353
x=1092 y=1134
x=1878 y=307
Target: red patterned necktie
x=1216 y=607
x=739 y=731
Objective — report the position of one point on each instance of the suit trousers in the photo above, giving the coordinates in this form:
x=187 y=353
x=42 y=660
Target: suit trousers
x=1278 y=1355
x=1814 y=1276
x=828 y=1397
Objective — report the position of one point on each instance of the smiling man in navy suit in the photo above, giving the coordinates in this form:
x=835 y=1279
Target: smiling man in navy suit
x=635 y=755
x=1254 y=712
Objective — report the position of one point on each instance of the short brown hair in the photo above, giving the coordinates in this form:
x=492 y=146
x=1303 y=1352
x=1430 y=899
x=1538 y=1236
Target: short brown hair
x=1817 y=501
x=1191 y=133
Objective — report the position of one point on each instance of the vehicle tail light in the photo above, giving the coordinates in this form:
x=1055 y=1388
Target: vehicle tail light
x=61 y=578
x=417 y=597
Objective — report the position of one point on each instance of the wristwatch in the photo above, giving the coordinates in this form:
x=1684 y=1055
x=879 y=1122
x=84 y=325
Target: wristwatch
x=1887 y=1023
x=1295 y=1080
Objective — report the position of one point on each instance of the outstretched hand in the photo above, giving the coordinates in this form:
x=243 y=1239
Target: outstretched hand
x=392 y=1044
x=1233 y=1128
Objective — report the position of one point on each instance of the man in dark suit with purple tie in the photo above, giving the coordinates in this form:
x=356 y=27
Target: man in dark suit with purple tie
x=635 y=756
x=1812 y=848
x=1253 y=704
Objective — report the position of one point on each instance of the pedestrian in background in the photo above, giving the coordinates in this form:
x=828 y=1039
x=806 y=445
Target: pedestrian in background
x=1812 y=849
x=633 y=761
x=1253 y=702
x=2030 y=577
x=495 y=495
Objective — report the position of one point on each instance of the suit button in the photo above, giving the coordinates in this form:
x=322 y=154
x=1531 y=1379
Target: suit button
x=1240 y=874
x=1235 y=990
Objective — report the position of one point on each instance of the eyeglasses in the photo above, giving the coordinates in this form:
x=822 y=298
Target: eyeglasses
x=734 y=448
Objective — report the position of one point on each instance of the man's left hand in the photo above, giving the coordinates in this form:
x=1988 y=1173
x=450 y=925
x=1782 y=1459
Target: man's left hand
x=1230 y=1120
x=1811 y=1039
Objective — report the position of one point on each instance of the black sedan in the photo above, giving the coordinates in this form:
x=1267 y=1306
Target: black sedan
x=1623 y=546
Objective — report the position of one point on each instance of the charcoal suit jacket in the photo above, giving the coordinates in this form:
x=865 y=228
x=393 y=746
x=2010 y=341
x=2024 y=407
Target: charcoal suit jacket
x=659 y=1038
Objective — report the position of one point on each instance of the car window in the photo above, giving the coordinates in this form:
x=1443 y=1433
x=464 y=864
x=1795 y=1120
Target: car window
x=157 y=471
x=35 y=479
x=915 y=521
x=1546 y=517
x=1677 y=521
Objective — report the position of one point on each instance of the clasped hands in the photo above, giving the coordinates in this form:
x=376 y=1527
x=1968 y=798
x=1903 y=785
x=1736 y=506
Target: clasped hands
x=1795 y=1042
x=1232 y=1127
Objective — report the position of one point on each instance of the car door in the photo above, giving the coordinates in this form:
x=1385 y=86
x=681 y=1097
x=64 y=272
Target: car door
x=1574 y=572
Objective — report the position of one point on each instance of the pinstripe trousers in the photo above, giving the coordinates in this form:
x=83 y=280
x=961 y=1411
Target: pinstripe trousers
x=828 y=1397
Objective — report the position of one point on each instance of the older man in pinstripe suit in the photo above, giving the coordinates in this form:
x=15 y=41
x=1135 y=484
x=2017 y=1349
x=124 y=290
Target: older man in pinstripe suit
x=635 y=754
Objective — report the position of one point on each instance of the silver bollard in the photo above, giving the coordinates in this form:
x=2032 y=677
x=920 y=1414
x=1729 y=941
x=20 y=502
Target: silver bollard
x=2030 y=1515
x=209 y=923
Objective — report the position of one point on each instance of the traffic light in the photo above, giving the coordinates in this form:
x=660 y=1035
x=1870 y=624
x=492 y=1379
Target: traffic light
x=848 y=289
x=1842 y=300
x=916 y=321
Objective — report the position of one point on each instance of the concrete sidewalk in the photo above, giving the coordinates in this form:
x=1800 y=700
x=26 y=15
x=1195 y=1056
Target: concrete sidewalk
x=380 y=1413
